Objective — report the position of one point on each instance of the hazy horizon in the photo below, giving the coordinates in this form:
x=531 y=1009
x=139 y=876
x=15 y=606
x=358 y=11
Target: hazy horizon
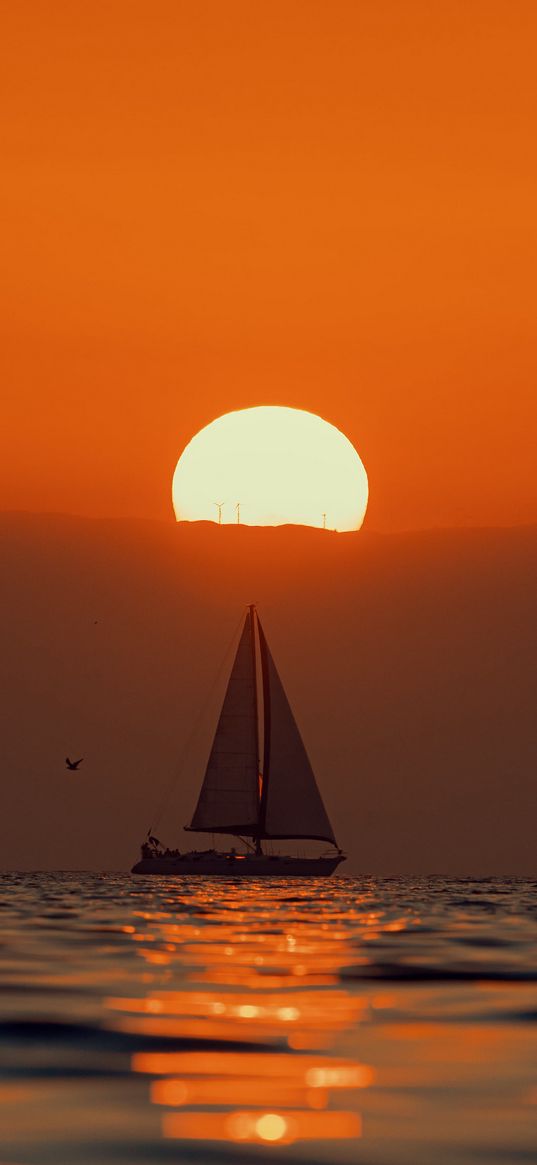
x=409 y=659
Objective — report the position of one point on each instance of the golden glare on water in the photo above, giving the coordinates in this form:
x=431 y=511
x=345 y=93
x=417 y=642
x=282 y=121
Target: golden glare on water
x=269 y=466
x=240 y=990
x=291 y=1023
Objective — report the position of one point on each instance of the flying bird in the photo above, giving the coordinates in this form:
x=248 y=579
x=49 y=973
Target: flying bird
x=73 y=764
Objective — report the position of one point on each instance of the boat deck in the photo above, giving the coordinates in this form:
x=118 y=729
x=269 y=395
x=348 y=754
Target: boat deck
x=214 y=864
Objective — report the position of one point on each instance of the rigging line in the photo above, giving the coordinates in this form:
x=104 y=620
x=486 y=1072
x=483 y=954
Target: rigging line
x=178 y=770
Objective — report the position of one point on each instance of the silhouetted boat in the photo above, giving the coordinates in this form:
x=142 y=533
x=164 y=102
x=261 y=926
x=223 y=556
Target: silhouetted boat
x=282 y=802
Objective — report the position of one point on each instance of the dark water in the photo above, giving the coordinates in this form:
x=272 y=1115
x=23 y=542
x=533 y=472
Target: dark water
x=383 y=1021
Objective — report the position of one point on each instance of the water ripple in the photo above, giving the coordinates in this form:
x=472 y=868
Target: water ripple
x=376 y=1021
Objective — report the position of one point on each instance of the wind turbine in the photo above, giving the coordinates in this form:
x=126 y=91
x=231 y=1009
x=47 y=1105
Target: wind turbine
x=219 y=508
x=238 y=509
x=324 y=521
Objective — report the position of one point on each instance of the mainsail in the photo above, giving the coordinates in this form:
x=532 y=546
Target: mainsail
x=229 y=797
x=291 y=805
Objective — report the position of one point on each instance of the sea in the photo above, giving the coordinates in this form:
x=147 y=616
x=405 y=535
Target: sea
x=346 y=1021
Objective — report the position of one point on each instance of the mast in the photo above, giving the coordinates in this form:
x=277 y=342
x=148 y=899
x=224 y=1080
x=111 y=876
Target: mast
x=260 y=781
x=266 y=730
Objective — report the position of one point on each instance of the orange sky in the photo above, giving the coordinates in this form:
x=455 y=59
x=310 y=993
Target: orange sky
x=329 y=205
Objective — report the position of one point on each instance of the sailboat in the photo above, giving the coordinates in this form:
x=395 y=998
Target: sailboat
x=282 y=801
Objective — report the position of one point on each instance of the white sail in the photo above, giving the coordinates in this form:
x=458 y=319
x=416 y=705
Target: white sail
x=229 y=798
x=291 y=804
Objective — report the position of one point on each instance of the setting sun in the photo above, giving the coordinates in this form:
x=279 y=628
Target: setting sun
x=268 y=466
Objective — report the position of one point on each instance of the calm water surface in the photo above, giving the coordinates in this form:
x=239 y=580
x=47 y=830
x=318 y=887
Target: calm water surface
x=383 y=1021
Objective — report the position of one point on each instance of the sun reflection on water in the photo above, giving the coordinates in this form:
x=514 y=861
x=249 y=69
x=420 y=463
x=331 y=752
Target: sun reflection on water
x=252 y=983
x=359 y=1020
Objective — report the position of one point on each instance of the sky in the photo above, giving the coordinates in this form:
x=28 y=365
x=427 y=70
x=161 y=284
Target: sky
x=210 y=206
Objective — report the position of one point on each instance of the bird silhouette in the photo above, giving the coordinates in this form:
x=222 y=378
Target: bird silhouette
x=73 y=764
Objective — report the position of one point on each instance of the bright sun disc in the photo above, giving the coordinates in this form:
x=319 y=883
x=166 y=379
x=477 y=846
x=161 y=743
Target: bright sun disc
x=269 y=466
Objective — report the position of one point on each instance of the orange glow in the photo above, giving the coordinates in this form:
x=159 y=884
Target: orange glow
x=217 y=1090
x=343 y=1073
x=283 y=1128
x=301 y=1020
x=339 y=217
x=282 y=1008
x=269 y=466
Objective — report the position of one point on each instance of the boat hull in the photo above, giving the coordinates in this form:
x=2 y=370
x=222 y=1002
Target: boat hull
x=237 y=866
